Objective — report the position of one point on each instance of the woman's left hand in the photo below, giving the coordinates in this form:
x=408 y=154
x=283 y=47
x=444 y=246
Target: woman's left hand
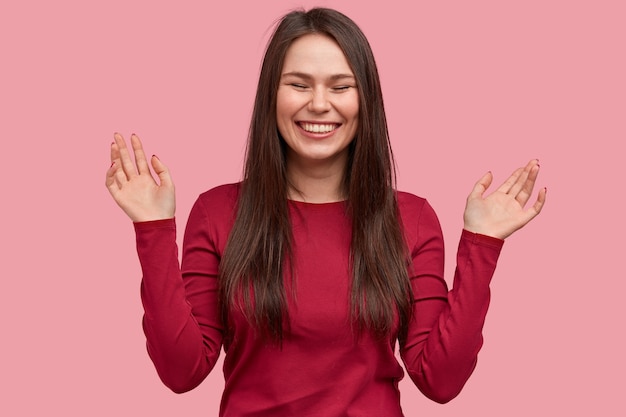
x=502 y=212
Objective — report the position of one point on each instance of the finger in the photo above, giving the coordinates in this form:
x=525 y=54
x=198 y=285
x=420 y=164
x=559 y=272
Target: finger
x=541 y=200
x=519 y=182
x=115 y=178
x=115 y=152
x=116 y=166
x=161 y=170
x=527 y=189
x=119 y=175
x=127 y=164
x=140 y=157
x=110 y=177
x=533 y=211
x=506 y=185
x=481 y=186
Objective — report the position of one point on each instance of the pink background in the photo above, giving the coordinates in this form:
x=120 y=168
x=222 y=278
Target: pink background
x=469 y=86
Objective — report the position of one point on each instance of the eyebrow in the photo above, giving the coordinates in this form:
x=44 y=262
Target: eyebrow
x=306 y=76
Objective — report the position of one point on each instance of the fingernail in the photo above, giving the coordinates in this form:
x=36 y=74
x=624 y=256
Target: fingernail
x=112 y=163
x=154 y=156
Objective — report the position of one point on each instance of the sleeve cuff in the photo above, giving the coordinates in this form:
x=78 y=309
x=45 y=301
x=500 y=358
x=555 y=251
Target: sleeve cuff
x=477 y=238
x=155 y=224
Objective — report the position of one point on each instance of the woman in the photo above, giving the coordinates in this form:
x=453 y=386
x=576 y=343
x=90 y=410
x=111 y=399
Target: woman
x=312 y=268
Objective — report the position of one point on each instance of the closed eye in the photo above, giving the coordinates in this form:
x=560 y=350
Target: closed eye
x=342 y=88
x=298 y=86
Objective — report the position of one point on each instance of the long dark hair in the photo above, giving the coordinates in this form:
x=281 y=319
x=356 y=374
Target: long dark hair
x=258 y=251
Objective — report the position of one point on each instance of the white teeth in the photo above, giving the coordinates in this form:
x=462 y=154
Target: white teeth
x=318 y=128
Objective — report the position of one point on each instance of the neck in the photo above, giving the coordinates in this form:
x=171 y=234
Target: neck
x=316 y=183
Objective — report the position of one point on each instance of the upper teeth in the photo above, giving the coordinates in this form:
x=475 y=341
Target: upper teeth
x=318 y=128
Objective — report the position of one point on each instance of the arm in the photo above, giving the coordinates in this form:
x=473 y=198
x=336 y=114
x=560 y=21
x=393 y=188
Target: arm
x=182 y=322
x=183 y=341
x=445 y=333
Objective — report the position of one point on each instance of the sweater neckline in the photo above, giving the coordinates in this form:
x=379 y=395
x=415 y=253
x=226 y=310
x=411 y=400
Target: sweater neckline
x=309 y=204
x=330 y=207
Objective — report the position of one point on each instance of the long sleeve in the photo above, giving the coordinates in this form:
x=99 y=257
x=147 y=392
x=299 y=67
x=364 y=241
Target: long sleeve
x=444 y=338
x=182 y=322
x=319 y=357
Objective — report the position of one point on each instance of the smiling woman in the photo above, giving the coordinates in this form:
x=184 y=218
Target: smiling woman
x=311 y=269
x=317 y=115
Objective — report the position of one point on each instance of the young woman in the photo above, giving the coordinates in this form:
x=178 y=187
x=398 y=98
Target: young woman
x=313 y=268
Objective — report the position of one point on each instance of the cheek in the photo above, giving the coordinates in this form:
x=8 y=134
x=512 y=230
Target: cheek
x=286 y=104
x=351 y=107
x=284 y=113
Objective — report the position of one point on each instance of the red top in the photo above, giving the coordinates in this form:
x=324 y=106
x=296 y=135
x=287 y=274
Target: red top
x=321 y=369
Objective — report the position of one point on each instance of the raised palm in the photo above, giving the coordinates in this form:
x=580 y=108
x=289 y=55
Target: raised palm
x=133 y=186
x=502 y=212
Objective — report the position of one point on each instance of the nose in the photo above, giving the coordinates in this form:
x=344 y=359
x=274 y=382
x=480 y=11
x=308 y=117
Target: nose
x=319 y=102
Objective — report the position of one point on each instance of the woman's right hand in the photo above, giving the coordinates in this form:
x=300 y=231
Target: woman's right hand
x=134 y=188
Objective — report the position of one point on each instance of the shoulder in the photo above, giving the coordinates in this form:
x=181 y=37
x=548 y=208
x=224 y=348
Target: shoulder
x=212 y=216
x=225 y=194
x=418 y=218
x=408 y=200
x=411 y=205
x=218 y=204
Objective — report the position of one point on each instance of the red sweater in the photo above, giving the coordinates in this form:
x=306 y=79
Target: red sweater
x=321 y=369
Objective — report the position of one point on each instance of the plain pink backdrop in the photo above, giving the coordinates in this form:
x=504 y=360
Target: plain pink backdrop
x=469 y=87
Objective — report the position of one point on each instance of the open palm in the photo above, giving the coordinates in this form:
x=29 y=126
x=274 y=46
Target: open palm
x=502 y=212
x=134 y=188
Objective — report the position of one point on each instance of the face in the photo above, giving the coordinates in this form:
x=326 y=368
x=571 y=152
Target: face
x=317 y=104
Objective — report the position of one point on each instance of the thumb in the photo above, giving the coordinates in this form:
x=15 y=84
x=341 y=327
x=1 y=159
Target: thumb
x=161 y=170
x=481 y=185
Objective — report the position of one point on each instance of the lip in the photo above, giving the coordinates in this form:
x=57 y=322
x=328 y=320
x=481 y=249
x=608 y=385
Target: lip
x=317 y=122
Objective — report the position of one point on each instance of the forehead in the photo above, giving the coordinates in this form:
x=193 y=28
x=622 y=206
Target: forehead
x=316 y=54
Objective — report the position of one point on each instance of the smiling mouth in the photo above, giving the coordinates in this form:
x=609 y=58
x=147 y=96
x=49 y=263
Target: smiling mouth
x=318 y=127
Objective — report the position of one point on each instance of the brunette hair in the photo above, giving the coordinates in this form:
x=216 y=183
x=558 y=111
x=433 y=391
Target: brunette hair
x=259 y=246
